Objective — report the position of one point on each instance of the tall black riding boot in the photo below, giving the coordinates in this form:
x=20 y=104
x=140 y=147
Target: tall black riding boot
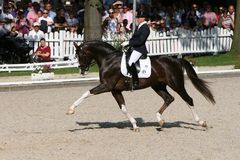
x=135 y=81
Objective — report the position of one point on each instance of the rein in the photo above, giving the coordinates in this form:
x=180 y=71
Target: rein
x=86 y=65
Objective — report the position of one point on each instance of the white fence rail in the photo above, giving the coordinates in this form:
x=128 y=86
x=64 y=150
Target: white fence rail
x=34 y=66
x=168 y=43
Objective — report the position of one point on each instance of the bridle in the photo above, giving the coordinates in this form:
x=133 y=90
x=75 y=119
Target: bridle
x=86 y=63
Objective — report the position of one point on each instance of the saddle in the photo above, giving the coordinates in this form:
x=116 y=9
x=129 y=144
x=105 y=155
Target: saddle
x=143 y=65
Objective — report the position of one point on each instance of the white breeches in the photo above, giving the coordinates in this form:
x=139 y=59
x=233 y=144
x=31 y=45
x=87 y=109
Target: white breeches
x=135 y=55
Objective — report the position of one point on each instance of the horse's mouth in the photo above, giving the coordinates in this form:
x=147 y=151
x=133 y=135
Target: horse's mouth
x=83 y=72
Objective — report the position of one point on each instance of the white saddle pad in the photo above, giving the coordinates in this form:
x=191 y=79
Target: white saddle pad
x=145 y=65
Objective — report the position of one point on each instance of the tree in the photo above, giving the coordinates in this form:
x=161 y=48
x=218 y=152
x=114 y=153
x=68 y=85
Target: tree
x=93 y=20
x=236 y=37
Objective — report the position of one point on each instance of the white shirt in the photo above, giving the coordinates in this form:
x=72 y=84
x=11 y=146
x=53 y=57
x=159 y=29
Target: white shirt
x=8 y=16
x=35 y=36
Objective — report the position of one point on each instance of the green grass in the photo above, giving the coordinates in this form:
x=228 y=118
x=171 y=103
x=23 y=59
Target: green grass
x=214 y=60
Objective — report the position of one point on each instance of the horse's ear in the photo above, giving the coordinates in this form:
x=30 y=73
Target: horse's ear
x=75 y=44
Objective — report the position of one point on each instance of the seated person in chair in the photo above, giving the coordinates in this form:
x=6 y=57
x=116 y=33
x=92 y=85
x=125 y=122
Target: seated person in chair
x=43 y=52
x=137 y=42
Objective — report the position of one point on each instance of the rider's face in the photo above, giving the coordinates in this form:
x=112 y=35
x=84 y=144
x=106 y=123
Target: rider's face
x=140 y=20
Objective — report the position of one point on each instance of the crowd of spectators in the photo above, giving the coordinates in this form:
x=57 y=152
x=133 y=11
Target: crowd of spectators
x=118 y=16
x=36 y=17
x=33 y=18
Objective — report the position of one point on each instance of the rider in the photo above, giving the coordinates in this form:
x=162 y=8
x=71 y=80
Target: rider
x=137 y=42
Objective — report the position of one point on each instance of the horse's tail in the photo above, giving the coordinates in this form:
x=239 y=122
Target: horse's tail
x=198 y=83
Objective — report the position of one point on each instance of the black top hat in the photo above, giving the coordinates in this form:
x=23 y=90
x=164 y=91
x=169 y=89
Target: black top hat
x=141 y=15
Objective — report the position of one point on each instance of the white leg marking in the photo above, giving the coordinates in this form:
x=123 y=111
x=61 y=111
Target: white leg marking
x=196 y=117
x=159 y=117
x=84 y=96
x=131 y=119
x=194 y=113
x=77 y=102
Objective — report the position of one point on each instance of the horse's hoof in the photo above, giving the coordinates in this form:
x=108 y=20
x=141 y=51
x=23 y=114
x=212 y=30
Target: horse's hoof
x=203 y=124
x=136 y=129
x=161 y=122
x=70 y=112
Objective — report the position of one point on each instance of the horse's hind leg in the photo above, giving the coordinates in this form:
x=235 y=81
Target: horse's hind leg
x=120 y=100
x=161 y=90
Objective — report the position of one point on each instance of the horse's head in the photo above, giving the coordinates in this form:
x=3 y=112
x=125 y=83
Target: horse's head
x=84 y=57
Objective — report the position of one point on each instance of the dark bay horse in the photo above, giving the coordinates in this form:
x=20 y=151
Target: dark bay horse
x=166 y=71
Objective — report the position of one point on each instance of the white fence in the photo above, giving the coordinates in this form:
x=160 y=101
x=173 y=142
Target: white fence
x=188 y=42
x=34 y=66
x=180 y=42
x=168 y=43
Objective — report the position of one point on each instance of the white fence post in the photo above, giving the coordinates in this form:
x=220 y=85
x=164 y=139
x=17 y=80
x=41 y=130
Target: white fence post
x=61 y=43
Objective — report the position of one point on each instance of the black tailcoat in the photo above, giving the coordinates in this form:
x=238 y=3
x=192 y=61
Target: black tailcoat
x=139 y=39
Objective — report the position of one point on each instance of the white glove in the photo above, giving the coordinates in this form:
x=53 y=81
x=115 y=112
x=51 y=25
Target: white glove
x=125 y=43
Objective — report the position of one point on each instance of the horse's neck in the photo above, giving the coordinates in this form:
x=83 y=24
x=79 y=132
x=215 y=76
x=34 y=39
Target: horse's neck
x=106 y=59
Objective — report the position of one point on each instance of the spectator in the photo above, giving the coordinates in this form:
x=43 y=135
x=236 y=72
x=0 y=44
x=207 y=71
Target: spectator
x=219 y=14
x=35 y=34
x=162 y=26
x=46 y=22
x=68 y=9
x=153 y=26
x=32 y=15
x=231 y=12
x=227 y=22
x=192 y=16
x=22 y=23
x=48 y=7
x=73 y=29
x=60 y=22
x=177 y=14
x=108 y=3
x=40 y=13
x=14 y=32
x=72 y=20
x=112 y=22
x=12 y=8
x=43 y=52
x=125 y=29
x=6 y=15
x=118 y=11
x=3 y=30
x=128 y=16
x=209 y=18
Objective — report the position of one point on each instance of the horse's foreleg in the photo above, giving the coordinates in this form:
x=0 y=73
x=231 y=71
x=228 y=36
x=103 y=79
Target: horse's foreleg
x=71 y=109
x=120 y=100
x=96 y=90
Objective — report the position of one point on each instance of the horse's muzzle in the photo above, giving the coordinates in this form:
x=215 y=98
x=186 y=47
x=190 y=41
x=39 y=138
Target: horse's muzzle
x=83 y=69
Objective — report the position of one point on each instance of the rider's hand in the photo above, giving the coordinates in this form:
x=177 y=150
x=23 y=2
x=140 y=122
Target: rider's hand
x=125 y=43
